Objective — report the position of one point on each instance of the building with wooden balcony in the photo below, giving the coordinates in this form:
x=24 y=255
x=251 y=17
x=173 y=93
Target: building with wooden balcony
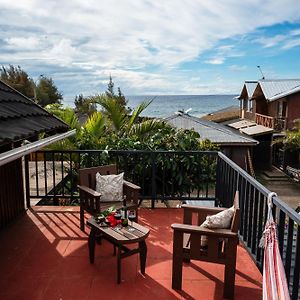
x=271 y=103
x=267 y=109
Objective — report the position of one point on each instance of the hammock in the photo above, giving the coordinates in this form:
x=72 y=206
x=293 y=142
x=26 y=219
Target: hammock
x=274 y=279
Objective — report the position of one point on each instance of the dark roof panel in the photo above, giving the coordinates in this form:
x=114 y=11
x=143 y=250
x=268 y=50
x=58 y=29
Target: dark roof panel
x=9 y=109
x=21 y=118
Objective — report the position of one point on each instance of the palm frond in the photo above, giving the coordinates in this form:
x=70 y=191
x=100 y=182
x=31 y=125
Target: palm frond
x=146 y=128
x=114 y=111
x=137 y=111
x=95 y=125
x=69 y=117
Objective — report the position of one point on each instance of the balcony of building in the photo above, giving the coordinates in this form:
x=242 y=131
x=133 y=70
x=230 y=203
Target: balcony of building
x=278 y=124
x=44 y=255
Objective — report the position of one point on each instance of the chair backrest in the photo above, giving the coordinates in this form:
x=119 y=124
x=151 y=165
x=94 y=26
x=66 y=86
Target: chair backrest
x=87 y=176
x=235 y=223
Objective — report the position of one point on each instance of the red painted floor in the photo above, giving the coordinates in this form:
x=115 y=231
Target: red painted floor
x=44 y=255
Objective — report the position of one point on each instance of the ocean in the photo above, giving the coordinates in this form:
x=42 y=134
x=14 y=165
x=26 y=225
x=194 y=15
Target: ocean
x=198 y=105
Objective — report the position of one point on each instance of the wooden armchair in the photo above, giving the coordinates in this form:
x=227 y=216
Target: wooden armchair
x=221 y=244
x=90 y=200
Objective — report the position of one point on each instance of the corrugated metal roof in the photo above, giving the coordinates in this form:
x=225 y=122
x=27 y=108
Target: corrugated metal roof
x=250 y=87
x=247 y=90
x=216 y=133
x=272 y=89
x=21 y=118
x=275 y=89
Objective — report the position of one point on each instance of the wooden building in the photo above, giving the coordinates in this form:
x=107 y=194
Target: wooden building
x=237 y=146
x=271 y=103
x=267 y=109
x=21 y=123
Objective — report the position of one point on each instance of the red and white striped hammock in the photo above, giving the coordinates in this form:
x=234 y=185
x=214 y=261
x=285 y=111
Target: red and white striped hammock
x=274 y=280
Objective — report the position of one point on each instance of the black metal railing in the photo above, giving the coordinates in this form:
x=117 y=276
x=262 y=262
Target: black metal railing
x=253 y=204
x=177 y=176
x=162 y=175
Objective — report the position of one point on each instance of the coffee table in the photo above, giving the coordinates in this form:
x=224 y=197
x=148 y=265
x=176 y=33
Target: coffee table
x=120 y=238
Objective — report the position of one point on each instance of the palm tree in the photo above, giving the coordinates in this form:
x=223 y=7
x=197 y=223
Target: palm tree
x=125 y=125
x=113 y=121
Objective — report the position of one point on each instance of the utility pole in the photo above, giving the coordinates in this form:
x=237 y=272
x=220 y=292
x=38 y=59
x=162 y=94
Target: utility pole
x=34 y=87
x=262 y=74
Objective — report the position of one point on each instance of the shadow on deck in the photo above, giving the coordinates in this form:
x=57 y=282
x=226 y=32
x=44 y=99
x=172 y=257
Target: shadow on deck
x=44 y=255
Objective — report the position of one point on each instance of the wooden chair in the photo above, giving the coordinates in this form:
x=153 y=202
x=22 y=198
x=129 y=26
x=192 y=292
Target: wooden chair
x=90 y=200
x=221 y=244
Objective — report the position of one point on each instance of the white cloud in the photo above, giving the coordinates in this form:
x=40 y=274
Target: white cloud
x=143 y=43
x=222 y=53
x=216 y=61
x=268 y=42
x=291 y=44
x=28 y=43
x=295 y=32
x=286 y=41
x=237 y=68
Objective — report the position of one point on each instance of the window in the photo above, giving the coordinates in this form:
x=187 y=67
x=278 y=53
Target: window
x=245 y=104
x=250 y=105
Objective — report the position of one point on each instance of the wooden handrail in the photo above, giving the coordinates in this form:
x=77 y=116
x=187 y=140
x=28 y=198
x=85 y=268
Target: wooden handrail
x=264 y=120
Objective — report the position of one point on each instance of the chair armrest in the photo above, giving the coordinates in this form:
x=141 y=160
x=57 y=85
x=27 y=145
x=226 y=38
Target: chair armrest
x=220 y=233
x=131 y=185
x=203 y=209
x=89 y=191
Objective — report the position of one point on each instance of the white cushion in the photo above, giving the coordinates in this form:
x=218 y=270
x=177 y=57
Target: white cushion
x=221 y=220
x=110 y=186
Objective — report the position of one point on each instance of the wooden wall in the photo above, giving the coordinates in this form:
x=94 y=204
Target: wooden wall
x=11 y=192
x=293 y=110
x=238 y=154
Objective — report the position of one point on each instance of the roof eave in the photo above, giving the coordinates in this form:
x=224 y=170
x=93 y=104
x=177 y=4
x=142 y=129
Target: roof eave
x=16 y=153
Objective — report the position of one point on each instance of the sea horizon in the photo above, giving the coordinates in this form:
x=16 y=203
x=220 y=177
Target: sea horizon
x=198 y=105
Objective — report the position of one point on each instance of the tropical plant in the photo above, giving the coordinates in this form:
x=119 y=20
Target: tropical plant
x=66 y=114
x=292 y=141
x=125 y=125
x=114 y=129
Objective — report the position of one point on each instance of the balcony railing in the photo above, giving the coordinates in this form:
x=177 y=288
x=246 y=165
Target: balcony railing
x=178 y=176
x=277 y=124
x=162 y=175
x=253 y=203
x=264 y=120
x=280 y=124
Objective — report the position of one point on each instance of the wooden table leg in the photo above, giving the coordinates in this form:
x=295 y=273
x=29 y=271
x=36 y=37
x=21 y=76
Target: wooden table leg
x=92 y=244
x=119 y=264
x=143 y=255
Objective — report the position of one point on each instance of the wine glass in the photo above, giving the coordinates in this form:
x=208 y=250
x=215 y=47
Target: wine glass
x=131 y=217
x=118 y=216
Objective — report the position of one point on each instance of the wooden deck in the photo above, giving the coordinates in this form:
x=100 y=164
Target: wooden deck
x=44 y=255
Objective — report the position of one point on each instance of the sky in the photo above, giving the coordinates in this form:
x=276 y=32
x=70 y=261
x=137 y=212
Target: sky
x=151 y=47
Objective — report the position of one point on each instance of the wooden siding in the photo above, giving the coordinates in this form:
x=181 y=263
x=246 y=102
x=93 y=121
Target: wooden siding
x=249 y=116
x=11 y=192
x=293 y=109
